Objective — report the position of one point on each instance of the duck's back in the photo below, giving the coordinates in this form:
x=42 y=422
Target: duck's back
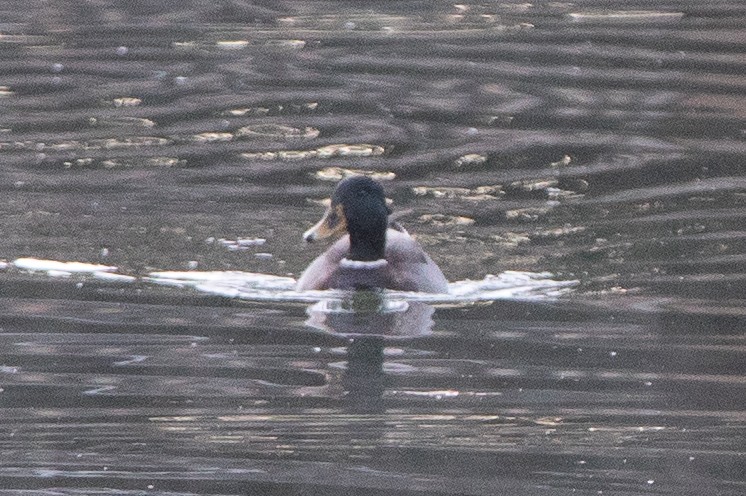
x=407 y=268
x=410 y=268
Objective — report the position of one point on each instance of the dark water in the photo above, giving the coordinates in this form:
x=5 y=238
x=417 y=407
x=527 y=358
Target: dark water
x=553 y=136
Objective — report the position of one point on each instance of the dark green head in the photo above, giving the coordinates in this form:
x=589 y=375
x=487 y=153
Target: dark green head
x=358 y=206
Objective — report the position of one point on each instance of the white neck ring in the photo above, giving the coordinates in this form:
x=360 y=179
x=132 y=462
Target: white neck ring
x=363 y=264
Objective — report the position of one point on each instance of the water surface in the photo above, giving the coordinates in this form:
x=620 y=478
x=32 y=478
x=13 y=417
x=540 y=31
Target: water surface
x=595 y=142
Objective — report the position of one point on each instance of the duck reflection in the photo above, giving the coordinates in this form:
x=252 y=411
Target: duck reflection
x=371 y=313
x=369 y=320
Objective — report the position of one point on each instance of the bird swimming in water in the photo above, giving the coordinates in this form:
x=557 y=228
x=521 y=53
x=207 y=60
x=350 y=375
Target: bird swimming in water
x=374 y=253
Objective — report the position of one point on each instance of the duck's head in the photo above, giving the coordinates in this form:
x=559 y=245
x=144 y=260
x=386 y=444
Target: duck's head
x=358 y=206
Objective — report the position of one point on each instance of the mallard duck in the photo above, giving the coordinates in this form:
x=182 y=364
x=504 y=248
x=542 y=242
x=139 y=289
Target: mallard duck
x=374 y=253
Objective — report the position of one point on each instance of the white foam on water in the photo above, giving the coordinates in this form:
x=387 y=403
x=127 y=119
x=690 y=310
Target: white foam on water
x=509 y=285
x=64 y=270
x=41 y=265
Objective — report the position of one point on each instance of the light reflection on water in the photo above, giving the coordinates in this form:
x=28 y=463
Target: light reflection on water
x=194 y=395
x=591 y=156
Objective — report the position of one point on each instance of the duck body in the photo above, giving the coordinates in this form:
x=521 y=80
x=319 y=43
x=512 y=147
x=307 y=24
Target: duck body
x=404 y=267
x=372 y=255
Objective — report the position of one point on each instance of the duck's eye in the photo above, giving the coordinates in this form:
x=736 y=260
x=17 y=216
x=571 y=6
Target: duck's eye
x=333 y=218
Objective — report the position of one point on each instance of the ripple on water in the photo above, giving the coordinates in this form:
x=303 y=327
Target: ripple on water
x=514 y=285
x=606 y=144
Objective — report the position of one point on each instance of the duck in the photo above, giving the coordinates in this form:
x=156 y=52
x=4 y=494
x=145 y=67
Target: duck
x=373 y=252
